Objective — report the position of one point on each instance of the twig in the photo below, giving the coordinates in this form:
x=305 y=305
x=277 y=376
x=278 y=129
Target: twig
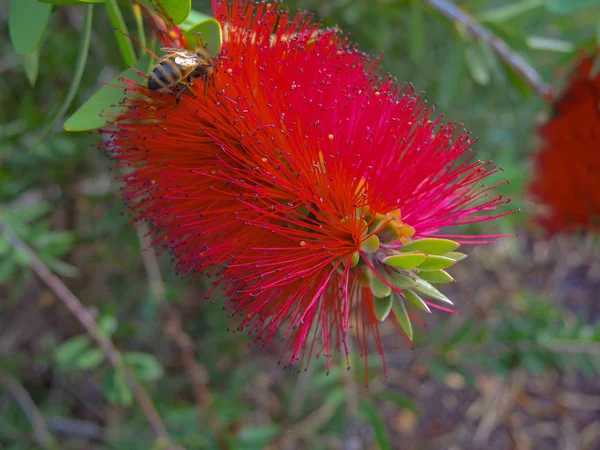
x=82 y=429
x=506 y=54
x=172 y=326
x=22 y=397
x=86 y=319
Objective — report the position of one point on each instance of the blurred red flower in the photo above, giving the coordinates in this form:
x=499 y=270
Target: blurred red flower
x=303 y=184
x=567 y=165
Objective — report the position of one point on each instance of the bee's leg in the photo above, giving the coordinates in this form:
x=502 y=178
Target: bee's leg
x=186 y=86
x=180 y=93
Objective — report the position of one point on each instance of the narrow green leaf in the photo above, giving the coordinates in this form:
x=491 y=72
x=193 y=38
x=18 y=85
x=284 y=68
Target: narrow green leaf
x=116 y=388
x=417 y=30
x=452 y=75
x=72 y=2
x=402 y=281
x=84 y=46
x=21 y=257
x=507 y=12
x=117 y=21
x=399 y=399
x=433 y=246
x=60 y=267
x=176 y=10
x=382 y=307
x=515 y=79
x=456 y=256
x=144 y=366
x=477 y=65
x=108 y=325
x=31 y=65
x=380 y=429
x=402 y=316
x=89 y=359
x=435 y=276
x=425 y=288
x=435 y=262
x=405 y=261
x=414 y=298
x=7 y=269
x=549 y=44
x=27 y=22
x=88 y=116
x=570 y=6
x=68 y=352
x=378 y=286
x=210 y=32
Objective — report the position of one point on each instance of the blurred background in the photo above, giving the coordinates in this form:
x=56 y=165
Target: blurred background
x=516 y=369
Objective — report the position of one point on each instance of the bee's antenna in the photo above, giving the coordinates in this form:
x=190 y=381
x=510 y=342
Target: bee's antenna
x=138 y=43
x=200 y=40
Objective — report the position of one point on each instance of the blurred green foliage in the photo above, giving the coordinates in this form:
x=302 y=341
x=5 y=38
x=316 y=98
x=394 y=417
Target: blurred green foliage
x=59 y=196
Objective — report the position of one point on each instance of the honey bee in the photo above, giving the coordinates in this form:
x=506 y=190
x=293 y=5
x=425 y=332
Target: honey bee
x=180 y=67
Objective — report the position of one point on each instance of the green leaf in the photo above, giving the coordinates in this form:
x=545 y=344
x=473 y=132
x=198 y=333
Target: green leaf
x=7 y=270
x=507 y=12
x=380 y=429
x=84 y=46
x=116 y=388
x=21 y=256
x=370 y=245
x=72 y=2
x=456 y=256
x=549 y=44
x=405 y=261
x=118 y=23
x=452 y=75
x=60 y=267
x=89 y=359
x=378 y=287
x=27 y=22
x=402 y=316
x=88 y=116
x=382 y=307
x=402 y=281
x=477 y=65
x=436 y=276
x=425 y=288
x=414 y=298
x=108 y=325
x=517 y=81
x=400 y=400
x=258 y=437
x=31 y=66
x=433 y=246
x=144 y=366
x=417 y=30
x=570 y=6
x=176 y=10
x=68 y=352
x=210 y=31
x=435 y=262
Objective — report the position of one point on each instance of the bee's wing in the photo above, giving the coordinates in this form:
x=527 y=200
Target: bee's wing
x=180 y=51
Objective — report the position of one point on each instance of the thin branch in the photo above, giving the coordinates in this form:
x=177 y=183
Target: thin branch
x=86 y=319
x=172 y=326
x=22 y=397
x=516 y=62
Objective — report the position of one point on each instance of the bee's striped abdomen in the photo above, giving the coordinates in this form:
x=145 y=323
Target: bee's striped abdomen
x=165 y=74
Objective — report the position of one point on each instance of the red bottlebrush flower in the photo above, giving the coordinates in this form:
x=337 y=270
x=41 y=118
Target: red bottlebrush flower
x=310 y=190
x=567 y=165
